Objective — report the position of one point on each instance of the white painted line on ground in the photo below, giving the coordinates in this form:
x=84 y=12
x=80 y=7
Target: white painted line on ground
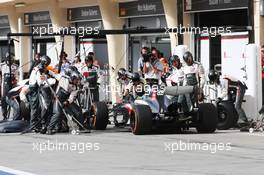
x=252 y=134
x=13 y=171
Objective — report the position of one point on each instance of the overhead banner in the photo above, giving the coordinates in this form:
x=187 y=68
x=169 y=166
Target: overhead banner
x=141 y=8
x=4 y=31
x=91 y=13
x=192 y=6
x=4 y=23
x=37 y=18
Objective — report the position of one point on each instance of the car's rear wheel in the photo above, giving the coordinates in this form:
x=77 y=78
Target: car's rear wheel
x=226 y=115
x=141 y=120
x=207 y=118
x=100 y=116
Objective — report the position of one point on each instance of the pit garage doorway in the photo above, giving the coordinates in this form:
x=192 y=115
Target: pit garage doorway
x=136 y=42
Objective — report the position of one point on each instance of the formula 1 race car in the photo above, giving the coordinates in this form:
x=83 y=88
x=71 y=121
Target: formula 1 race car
x=151 y=113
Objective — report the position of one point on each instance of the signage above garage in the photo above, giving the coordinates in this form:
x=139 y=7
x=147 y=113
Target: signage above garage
x=141 y=8
x=91 y=13
x=4 y=23
x=37 y=18
x=192 y=6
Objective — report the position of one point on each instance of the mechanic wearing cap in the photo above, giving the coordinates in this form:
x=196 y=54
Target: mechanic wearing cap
x=40 y=96
x=6 y=83
x=193 y=76
x=67 y=92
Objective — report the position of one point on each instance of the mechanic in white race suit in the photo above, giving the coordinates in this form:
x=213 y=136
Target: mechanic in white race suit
x=40 y=96
x=8 y=81
x=175 y=78
x=193 y=76
x=216 y=88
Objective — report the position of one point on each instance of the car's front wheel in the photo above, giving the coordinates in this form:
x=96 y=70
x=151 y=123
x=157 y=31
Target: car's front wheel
x=141 y=120
x=100 y=116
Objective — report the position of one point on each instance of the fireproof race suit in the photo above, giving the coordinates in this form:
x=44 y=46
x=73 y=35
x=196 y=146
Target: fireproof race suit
x=193 y=76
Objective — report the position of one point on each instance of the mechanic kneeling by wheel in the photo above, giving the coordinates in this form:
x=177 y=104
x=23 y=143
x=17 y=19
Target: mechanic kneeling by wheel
x=216 y=88
x=67 y=92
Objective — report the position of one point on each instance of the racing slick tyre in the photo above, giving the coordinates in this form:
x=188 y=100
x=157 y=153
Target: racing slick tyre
x=207 y=118
x=100 y=116
x=141 y=120
x=226 y=115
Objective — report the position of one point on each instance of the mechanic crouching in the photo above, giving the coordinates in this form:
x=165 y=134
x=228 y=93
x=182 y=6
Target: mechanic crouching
x=193 y=76
x=239 y=97
x=216 y=88
x=66 y=94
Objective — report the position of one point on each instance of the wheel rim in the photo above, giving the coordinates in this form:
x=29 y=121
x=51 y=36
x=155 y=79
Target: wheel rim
x=222 y=115
x=132 y=121
x=93 y=118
